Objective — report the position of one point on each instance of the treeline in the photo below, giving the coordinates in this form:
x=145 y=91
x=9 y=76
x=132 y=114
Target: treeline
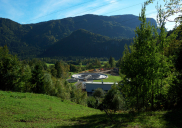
x=92 y=64
x=71 y=59
x=34 y=76
x=150 y=70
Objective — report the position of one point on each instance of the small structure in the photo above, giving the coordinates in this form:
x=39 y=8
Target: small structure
x=72 y=80
x=89 y=76
x=91 y=86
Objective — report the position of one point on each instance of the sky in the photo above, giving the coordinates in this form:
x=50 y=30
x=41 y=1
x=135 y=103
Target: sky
x=35 y=11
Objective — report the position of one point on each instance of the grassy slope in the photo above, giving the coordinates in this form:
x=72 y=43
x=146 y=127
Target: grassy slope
x=38 y=110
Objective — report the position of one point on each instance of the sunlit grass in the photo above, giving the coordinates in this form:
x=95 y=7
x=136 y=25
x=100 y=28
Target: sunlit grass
x=38 y=110
x=110 y=79
x=49 y=64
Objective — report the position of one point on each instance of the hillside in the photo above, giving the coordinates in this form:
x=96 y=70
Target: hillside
x=38 y=110
x=32 y=39
x=85 y=43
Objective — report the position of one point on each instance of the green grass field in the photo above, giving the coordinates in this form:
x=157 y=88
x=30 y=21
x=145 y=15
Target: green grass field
x=37 y=110
x=49 y=64
x=110 y=79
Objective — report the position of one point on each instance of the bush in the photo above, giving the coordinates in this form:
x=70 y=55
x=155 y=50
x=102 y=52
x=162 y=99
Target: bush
x=99 y=92
x=114 y=99
x=91 y=102
x=48 y=83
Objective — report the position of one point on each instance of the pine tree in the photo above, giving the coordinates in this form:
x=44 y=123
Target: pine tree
x=59 y=69
x=112 y=62
x=38 y=79
x=10 y=70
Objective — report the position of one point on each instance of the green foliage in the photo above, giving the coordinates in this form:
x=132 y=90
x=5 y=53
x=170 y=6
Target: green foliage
x=89 y=66
x=37 y=79
x=10 y=70
x=99 y=93
x=80 y=97
x=73 y=68
x=97 y=63
x=91 y=102
x=26 y=75
x=62 y=70
x=113 y=99
x=87 y=44
x=54 y=72
x=58 y=67
x=27 y=41
x=47 y=83
x=119 y=62
x=107 y=65
x=112 y=62
x=32 y=77
x=146 y=72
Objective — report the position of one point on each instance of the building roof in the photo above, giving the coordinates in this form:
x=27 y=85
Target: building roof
x=99 y=82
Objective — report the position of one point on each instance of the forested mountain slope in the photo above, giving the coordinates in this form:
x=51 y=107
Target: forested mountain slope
x=88 y=44
x=32 y=39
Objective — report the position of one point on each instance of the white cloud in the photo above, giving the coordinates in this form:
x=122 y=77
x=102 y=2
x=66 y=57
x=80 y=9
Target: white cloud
x=96 y=7
x=50 y=7
x=81 y=10
x=107 y=9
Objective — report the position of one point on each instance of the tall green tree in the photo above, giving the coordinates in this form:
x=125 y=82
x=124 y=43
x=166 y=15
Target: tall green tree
x=10 y=70
x=26 y=75
x=97 y=63
x=62 y=69
x=59 y=69
x=112 y=62
x=144 y=66
x=119 y=62
x=38 y=79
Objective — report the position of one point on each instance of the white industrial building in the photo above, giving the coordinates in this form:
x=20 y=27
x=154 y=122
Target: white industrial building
x=91 y=86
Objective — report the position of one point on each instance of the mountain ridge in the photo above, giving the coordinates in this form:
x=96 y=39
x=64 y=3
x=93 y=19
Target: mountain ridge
x=23 y=39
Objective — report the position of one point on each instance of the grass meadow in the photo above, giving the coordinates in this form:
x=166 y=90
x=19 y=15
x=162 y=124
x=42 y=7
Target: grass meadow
x=37 y=110
x=49 y=64
x=110 y=79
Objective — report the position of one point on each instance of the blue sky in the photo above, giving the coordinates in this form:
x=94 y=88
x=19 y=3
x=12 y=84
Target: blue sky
x=34 y=11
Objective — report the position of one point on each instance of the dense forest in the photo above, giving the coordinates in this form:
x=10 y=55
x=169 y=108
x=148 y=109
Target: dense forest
x=29 y=40
x=87 y=44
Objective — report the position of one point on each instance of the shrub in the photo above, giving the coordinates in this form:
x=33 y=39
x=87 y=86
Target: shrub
x=91 y=102
x=99 y=92
x=114 y=99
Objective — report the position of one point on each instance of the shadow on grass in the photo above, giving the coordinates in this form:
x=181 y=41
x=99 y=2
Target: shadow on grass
x=170 y=119
x=101 y=120
x=173 y=119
